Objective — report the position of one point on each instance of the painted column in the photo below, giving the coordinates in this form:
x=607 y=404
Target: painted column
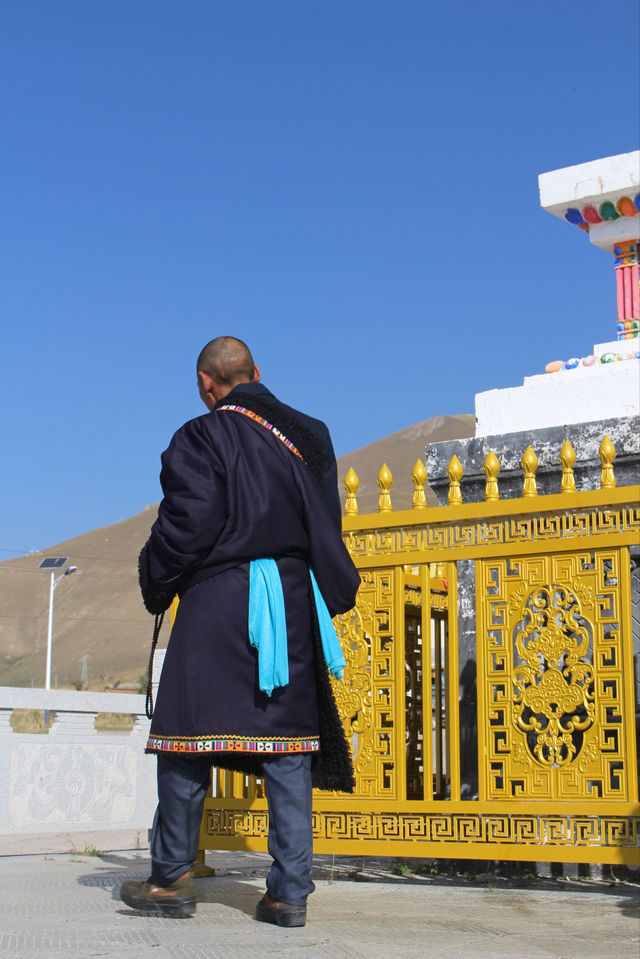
x=601 y=198
x=627 y=289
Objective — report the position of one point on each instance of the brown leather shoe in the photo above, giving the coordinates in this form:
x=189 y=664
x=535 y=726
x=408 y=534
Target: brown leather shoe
x=176 y=899
x=280 y=913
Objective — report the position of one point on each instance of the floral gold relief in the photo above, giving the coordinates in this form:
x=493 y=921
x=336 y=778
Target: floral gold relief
x=551 y=667
x=554 y=684
x=365 y=696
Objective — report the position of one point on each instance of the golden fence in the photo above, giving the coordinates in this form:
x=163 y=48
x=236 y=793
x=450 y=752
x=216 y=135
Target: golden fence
x=488 y=694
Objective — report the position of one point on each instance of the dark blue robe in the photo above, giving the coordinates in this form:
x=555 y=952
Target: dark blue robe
x=233 y=492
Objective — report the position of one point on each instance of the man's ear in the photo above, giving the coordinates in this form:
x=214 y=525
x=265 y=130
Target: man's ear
x=204 y=382
x=206 y=388
x=256 y=374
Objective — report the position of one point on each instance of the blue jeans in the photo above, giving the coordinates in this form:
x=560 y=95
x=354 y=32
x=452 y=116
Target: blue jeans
x=183 y=782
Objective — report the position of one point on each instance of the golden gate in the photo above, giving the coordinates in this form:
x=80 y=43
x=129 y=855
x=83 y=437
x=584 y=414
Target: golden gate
x=533 y=758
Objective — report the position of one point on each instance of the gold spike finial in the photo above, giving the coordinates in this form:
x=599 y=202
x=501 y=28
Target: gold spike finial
x=567 y=459
x=529 y=464
x=352 y=485
x=454 y=475
x=419 y=477
x=491 y=469
x=607 y=454
x=385 y=481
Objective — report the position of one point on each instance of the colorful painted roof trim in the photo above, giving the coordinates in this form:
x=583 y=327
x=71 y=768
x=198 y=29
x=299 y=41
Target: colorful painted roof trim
x=607 y=210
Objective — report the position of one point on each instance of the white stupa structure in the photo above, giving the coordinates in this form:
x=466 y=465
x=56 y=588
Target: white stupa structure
x=602 y=199
x=581 y=398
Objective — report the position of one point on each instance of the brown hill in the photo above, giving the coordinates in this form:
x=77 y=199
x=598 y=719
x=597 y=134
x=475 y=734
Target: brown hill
x=98 y=612
x=400 y=451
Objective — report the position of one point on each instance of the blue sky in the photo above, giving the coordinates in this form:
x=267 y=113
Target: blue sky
x=351 y=187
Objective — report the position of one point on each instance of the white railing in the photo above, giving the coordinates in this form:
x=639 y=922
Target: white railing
x=74 y=779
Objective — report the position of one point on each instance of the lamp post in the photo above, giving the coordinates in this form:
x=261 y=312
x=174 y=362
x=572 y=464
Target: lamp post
x=52 y=563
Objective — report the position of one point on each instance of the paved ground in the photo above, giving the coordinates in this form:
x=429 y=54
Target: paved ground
x=67 y=907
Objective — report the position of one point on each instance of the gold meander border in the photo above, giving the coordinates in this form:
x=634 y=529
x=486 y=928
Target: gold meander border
x=455 y=828
x=480 y=533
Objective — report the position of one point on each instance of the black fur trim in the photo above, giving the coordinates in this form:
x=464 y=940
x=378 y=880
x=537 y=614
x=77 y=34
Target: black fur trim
x=156 y=600
x=332 y=767
x=300 y=435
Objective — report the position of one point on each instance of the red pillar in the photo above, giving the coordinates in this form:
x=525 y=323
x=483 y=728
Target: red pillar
x=627 y=289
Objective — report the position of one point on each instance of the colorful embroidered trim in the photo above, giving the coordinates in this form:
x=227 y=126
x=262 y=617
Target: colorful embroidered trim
x=214 y=745
x=265 y=423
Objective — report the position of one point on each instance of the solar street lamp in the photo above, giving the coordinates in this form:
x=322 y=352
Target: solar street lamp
x=53 y=563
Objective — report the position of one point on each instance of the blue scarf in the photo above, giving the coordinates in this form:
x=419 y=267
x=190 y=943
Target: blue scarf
x=268 y=627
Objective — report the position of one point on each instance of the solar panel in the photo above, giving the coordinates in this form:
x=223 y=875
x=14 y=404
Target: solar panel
x=53 y=562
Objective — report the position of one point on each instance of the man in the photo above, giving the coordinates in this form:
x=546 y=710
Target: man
x=248 y=535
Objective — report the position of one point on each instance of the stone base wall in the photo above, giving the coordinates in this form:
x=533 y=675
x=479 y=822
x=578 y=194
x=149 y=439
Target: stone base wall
x=585 y=438
x=74 y=780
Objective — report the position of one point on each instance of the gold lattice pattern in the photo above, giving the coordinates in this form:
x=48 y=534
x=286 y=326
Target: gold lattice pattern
x=366 y=695
x=552 y=667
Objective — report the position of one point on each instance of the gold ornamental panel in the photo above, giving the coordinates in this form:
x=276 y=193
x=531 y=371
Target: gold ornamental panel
x=368 y=697
x=555 y=717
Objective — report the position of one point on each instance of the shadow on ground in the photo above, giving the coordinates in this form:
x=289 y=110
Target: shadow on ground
x=239 y=892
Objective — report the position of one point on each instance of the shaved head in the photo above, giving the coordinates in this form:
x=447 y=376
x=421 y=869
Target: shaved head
x=227 y=361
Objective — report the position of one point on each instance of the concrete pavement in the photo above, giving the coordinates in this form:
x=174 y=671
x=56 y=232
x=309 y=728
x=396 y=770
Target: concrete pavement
x=67 y=907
